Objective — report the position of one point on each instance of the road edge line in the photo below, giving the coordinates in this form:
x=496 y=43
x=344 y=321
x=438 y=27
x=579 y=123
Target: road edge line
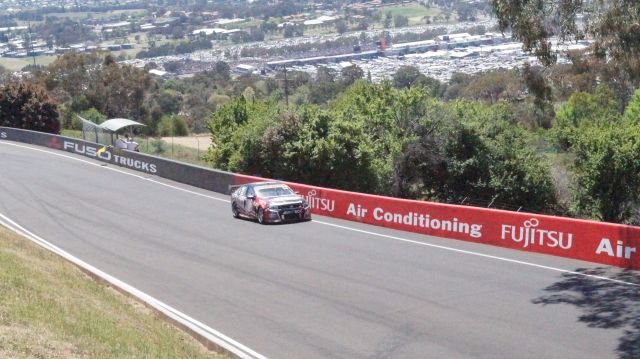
x=209 y=337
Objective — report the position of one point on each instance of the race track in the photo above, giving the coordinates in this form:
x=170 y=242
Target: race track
x=320 y=289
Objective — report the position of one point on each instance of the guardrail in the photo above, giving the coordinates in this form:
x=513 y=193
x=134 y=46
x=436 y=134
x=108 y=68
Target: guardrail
x=599 y=242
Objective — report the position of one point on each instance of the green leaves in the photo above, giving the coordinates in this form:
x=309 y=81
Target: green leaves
x=607 y=171
x=28 y=106
x=379 y=139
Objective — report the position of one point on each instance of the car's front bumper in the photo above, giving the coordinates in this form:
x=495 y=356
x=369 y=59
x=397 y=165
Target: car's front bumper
x=285 y=215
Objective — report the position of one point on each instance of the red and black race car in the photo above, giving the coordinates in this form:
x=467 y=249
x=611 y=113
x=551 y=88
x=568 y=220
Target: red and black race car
x=269 y=202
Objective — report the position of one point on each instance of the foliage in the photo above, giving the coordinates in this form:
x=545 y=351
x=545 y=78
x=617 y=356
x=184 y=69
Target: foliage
x=96 y=80
x=584 y=110
x=182 y=47
x=172 y=125
x=93 y=115
x=384 y=140
x=474 y=153
x=607 y=185
x=632 y=112
x=158 y=146
x=28 y=106
x=400 y=21
x=614 y=26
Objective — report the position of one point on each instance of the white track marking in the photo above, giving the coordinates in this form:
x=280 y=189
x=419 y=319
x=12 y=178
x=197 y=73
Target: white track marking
x=358 y=230
x=202 y=329
x=476 y=253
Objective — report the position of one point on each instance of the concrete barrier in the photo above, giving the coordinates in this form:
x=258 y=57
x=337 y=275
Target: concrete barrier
x=207 y=178
x=598 y=242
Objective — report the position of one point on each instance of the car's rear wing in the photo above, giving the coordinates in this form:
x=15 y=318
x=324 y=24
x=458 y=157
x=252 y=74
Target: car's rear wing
x=233 y=188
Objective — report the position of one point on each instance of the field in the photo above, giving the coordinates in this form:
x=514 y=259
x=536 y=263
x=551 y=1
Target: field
x=77 y=15
x=415 y=12
x=50 y=309
x=16 y=64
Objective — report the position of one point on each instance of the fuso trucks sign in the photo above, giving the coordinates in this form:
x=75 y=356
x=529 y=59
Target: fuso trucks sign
x=103 y=153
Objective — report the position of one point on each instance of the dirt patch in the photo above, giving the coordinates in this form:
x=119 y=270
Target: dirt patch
x=197 y=141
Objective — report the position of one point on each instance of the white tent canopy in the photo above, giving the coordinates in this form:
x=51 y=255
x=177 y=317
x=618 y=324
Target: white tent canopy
x=103 y=133
x=116 y=124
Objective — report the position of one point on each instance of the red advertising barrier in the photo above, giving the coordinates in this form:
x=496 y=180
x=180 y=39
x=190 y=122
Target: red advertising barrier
x=599 y=242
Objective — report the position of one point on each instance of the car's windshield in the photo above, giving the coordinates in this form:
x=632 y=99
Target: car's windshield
x=273 y=191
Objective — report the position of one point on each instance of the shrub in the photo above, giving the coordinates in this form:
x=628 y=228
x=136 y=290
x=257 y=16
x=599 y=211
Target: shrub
x=173 y=125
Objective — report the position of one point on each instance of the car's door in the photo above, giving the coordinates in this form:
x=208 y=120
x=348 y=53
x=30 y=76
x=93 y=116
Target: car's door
x=240 y=197
x=249 y=201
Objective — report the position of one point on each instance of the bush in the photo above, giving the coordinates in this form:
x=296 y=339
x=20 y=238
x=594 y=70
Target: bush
x=173 y=125
x=158 y=146
x=28 y=106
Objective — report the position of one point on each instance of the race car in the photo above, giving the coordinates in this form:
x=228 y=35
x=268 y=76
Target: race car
x=269 y=202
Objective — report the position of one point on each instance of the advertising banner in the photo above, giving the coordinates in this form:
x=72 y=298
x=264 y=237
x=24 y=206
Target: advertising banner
x=206 y=178
x=592 y=241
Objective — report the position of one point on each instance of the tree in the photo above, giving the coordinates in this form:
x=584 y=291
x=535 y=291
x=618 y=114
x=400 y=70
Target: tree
x=607 y=185
x=341 y=27
x=222 y=71
x=27 y=106
x=468 y=151
x=584 y=110
x=173 y=125
x=632 y=112
x=400 y=21
x=387 y=19
x=614 y=25
x=351 y=73
x=494 y=86
x=542 y=95
x=406 y=76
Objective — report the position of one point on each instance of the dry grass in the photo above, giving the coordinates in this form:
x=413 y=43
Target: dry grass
x=50 y=309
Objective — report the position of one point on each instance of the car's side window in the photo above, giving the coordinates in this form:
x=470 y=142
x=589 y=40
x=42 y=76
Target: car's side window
x=250 y=192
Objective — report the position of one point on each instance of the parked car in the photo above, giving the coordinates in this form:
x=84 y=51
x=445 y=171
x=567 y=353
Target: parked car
x=269 y=202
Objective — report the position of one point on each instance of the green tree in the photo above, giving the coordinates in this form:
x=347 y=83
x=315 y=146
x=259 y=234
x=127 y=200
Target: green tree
x=606 y=167
x=27 y=106
x=632 y=112
x=474 y=153
x=173 y=125
x=614 y=25
x=582 y=110
x=400 y=21
x=406 y=76
x=341 y=27
x=387 y=19
x=351 y=73
x=93 y=115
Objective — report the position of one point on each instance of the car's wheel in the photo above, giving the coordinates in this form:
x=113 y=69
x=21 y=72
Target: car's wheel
x=260 y=215
x=234 y=210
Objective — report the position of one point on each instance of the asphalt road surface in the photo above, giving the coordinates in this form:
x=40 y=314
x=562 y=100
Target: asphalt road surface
x=318 y=289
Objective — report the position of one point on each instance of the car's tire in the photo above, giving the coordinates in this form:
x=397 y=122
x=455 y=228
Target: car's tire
x=234 y=210
x=260 y=215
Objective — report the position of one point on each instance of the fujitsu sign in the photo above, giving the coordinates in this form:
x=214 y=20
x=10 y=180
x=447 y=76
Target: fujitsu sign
x=323 y=204
x=530 y=235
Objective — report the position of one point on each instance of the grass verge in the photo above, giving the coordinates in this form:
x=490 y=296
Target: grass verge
x=50 y=309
